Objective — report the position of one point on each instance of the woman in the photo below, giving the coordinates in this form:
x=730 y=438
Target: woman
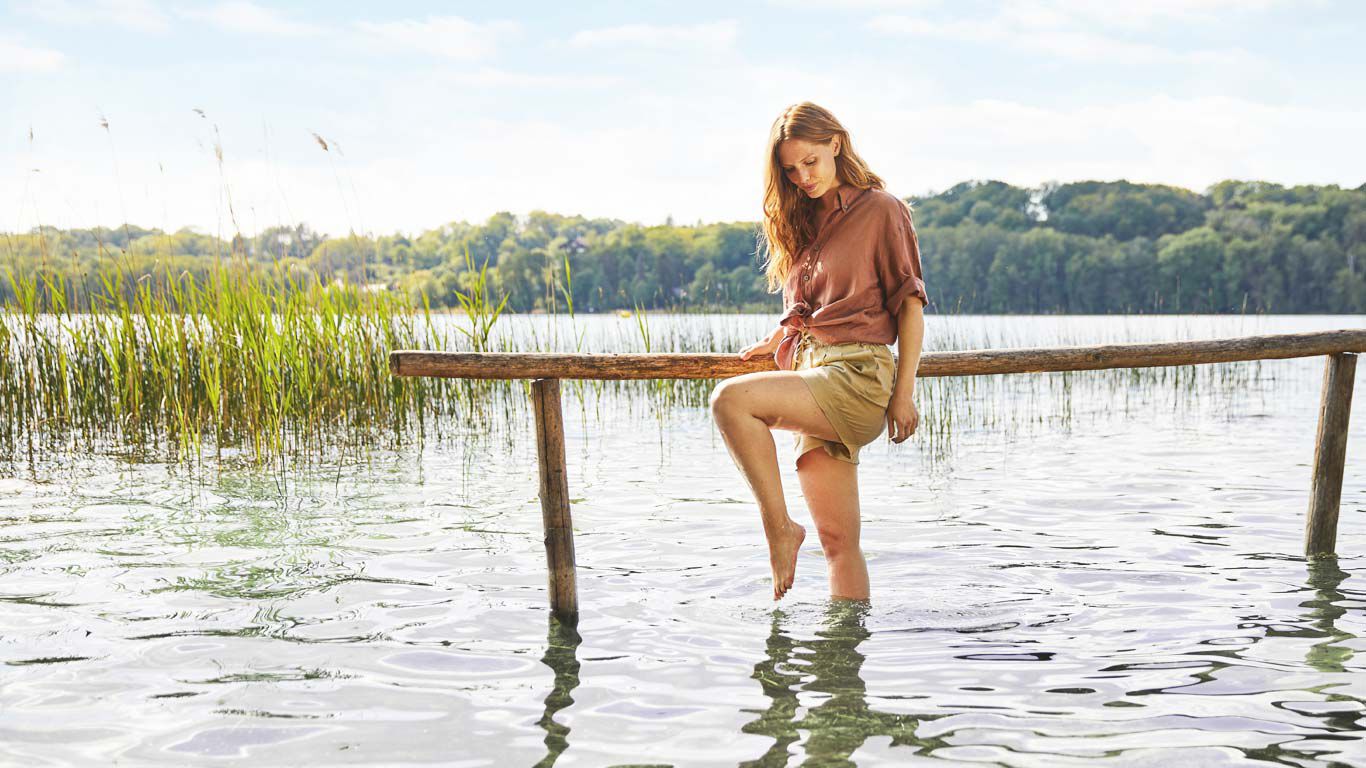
x=845 y=252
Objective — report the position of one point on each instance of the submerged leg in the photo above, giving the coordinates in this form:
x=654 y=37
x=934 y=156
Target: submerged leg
x=831 y=490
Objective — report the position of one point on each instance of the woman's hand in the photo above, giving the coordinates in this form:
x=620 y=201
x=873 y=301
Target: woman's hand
x=762 y=347
x=902 y=417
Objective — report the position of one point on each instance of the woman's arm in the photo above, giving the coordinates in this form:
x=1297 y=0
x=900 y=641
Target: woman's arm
x=902 y=417
x=764 y=346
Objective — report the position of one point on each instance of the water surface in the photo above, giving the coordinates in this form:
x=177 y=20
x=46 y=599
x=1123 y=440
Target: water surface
x=1089 y=574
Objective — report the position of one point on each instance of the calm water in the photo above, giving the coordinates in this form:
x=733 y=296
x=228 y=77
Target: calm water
x=1114 y=579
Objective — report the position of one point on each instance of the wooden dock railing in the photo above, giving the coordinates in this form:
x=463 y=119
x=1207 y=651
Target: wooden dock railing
x=546 y=369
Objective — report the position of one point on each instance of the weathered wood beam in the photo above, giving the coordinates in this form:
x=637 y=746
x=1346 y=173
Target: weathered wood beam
x=682 y=365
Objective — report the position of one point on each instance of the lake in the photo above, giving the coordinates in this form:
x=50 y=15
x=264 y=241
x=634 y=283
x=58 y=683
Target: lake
x=1098 y=568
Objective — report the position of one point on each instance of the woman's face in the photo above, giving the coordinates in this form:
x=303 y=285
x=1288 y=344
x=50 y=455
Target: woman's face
x=809 y=165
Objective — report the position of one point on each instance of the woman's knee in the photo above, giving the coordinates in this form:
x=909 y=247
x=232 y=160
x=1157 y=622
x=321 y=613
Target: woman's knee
x=838 y=543
x=729 y=398
x=722 y=397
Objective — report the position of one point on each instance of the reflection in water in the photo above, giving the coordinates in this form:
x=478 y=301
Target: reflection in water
x=561 y=655
x=1338 y=711
x=830 y=665
x=1333 y=653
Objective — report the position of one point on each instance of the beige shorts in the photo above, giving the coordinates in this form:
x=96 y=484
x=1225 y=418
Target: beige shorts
x=852 y=383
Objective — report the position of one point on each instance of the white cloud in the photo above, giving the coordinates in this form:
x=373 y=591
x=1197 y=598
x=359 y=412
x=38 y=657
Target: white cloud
x=252 y=19
x=1084 y=29
x=1191 y=142
x=499 y=78
x=447 y=36
x=1148 y=12
x=141 y=15
x=18 y=57
x=717 y=34
x=828 y=5
x=1030 y=33
x=1060 y=28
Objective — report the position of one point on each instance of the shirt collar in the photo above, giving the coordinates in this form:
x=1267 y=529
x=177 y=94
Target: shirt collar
x=847 y=193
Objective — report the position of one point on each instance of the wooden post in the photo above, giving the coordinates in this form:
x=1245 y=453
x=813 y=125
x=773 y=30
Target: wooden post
x=559 y=529
x=1330 y=455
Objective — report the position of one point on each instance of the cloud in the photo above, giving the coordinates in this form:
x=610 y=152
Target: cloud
x=1148 y=12
x=444 y=36
x=1023 y=33
x=1074 y=29
x=1191 y=142
x=20 y=58
x=447 y=36
x=499 y=78
x=141 y=15
x=253 y=19
x=717 y=34
x=852 y=5
x=1084 y=29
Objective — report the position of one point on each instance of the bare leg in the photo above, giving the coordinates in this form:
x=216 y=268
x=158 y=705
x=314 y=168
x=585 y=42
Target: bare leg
x=746 y=409
x=831 y=490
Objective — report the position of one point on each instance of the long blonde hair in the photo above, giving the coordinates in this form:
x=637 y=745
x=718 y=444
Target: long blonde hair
x=789 y=215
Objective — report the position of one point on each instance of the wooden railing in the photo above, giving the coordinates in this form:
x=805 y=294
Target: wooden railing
x=546 y=369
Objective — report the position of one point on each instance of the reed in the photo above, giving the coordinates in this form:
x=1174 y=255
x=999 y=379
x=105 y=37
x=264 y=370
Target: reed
x=243 y=362
x=478 y=305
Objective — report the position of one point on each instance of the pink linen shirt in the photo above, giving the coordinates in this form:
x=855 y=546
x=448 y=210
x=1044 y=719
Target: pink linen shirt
x=849 y=283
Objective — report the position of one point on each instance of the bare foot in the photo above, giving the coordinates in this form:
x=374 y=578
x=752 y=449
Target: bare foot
x=782 y=557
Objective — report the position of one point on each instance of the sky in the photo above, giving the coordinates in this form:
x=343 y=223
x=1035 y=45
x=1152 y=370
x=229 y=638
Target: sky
x=394 y=117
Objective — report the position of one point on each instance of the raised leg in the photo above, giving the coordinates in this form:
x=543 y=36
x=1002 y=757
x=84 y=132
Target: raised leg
x=831 y=490
x=746 y=409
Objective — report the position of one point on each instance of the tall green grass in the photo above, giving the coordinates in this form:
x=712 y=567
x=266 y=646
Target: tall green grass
x=266 y=364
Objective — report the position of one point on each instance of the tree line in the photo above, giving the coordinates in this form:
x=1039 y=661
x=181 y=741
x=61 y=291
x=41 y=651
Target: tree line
x=986 y=247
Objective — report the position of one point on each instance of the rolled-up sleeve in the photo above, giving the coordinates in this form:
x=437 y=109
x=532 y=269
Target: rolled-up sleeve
x=898 y=261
